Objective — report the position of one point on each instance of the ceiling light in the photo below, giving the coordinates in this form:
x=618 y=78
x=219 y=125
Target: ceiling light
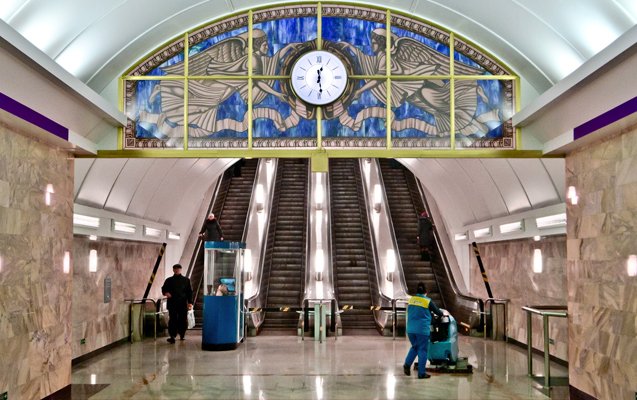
x=483 y=232
x=86 y=221
x=124 y=227
x=512 y=227
x=551 y=221
x=174 y=235
x=152 y=232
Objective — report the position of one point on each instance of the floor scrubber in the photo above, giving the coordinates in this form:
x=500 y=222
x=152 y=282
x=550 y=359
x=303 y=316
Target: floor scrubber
x=443 y=347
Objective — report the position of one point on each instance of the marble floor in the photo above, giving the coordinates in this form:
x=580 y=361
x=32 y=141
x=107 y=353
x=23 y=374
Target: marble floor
x=285 y=367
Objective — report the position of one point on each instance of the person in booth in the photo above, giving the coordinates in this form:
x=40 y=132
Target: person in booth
x=419 y=311
x=211 y=230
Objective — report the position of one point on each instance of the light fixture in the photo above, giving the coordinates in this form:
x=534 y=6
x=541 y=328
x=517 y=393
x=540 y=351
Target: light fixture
x=152 y=232
x=260 y=198
x=247 y=264
x=319 y=195
x=92 y=237
x=318 y=264
x=318 y=223
x=66 y=263
x=92 y=261
x=86 y=221
x=537 y=238
x=537 y=261
x=391 y=264
x=47 y=194
x=571 y=194
x=482 y=232
x=123 y=227
x=631 y=265
x=0 y=263
x=460 y=236
x=174 y=235
x=512 y=227
x=377 y=197
x=551 y=221
x=93 y=379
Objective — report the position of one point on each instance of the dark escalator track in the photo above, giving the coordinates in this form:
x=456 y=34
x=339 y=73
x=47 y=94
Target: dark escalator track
x=404 y=209
x=352 y=257
x=284 y=266
x=405 y=202
x=231 y=209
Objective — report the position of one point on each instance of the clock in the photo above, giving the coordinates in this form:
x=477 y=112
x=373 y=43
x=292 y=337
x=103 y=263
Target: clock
x=319 y=77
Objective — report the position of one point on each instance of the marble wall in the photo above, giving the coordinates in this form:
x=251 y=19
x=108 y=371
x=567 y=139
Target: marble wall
x=35 y=292
x=602 y=297
x=509 y=268
x=129 y=265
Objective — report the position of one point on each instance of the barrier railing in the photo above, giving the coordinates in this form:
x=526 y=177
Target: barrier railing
x=546 y=312
x=143 y=314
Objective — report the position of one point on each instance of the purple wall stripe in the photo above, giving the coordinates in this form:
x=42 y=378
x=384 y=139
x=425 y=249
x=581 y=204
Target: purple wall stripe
x=32 y=116
x=607 y=118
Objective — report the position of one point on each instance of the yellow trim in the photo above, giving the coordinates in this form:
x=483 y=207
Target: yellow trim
x=319 y=26
x=250 y=55
x=186 y=83
x=388 y=143
x=452 y=95
x=518 y=131
x=120 y=104
x=245 y=77
x=319 y=162
x=419 y=301
x=330 y=152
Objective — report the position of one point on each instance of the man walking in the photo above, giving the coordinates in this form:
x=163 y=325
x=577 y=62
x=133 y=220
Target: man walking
x=179 y=293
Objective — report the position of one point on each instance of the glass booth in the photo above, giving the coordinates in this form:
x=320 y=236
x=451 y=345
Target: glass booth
x=223 y=295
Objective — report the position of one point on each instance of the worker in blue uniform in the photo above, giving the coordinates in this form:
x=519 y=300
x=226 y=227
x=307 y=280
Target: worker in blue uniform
x=419 y=311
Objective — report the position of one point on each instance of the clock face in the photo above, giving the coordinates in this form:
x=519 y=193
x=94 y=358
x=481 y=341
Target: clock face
x=319 y=77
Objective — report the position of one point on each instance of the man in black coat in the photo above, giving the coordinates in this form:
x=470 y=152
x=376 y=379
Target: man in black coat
x=211 y=230
x=425 y=236
x=179 y=293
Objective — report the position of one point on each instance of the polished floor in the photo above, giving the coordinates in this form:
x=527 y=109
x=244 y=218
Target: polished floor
x=285 y=367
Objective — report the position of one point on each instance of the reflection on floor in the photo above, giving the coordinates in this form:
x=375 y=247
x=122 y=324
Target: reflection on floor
x=270 y=367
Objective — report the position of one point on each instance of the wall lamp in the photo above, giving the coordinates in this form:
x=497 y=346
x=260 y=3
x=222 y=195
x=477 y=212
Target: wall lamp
x=247 y=264
x=260 y=198
x=377 y=197
x=571 y=194
x=631 y=265
x=537 y=261
x=92 y=261
x=391 y=264
x=318 y=264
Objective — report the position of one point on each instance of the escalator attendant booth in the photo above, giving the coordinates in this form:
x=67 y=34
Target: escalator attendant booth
x=223 y=295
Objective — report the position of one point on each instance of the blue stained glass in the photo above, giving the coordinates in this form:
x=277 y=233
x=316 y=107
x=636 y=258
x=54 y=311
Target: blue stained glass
x=439 y=47
x=370 y=127
x=353 y=31
x=172 y=61
x=281 y=32
x=145 y=129
x=266 y=128
x=459 y=57
x=207 y=43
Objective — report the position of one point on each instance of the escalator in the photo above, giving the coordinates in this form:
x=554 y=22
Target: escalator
x=352 y=257
x=405 y=202
x=231 y=209
x=284 y=261
x=404 y=209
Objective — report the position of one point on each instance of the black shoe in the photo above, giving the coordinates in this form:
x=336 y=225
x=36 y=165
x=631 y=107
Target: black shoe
x=182 y=338
x=425 y=376
x=407 y=370
x=171 y=340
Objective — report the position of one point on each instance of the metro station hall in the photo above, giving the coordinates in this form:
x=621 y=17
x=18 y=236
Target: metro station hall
x=237 y=199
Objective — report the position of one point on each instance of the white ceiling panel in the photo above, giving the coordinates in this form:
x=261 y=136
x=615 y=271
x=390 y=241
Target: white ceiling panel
x=99 y=181
x=508 y=184
x=556 y=168
x=149 y=186
x=170 y=192
x=467 y=187
x=536 y=181
x=485 y=187
x=126 y=184
x=81 y=168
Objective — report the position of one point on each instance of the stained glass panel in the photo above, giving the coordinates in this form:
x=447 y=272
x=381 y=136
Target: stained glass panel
x=223 y=54
x=355 y=38
x=414 y=54
x=483 y=113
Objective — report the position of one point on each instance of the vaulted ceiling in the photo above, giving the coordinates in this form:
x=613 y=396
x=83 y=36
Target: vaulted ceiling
x=543 y=41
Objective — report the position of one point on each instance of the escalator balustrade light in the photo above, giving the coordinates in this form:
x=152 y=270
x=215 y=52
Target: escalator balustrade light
x=319 y=261
x=377 y=198
x=391 y=264
x=247 y=264
x=260 y=198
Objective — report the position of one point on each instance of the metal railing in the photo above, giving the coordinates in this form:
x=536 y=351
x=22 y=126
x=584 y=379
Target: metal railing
x=488 y=310
x=143 y=314
x=546 y=312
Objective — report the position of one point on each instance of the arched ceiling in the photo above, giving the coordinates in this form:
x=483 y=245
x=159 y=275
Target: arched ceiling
x=542 y=40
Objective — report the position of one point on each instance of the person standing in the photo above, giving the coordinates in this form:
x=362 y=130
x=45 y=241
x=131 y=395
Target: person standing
x=179 y=293
x=211 y=230
x=425 y=236
x=419 y=311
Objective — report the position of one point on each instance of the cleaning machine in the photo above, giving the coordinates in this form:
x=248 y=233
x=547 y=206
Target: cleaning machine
x=443 y=347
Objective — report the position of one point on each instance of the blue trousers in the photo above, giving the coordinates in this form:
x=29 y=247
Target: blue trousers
x=419 y=346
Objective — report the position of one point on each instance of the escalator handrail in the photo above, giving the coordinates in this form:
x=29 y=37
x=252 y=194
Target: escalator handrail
x=392 y=232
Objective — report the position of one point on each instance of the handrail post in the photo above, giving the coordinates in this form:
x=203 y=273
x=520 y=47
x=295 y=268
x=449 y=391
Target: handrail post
x=393 y=318
x=529 y=345
x=547 y=373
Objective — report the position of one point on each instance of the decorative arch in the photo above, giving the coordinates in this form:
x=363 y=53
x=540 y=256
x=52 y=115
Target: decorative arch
x=411 y=85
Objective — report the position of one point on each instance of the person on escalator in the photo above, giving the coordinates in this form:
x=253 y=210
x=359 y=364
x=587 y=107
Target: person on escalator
x=425 y=236
x=179 y=293
x=419 y=311
x=211 y=230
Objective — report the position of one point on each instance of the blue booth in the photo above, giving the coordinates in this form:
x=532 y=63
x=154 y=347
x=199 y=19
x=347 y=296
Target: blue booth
x=223 y=295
